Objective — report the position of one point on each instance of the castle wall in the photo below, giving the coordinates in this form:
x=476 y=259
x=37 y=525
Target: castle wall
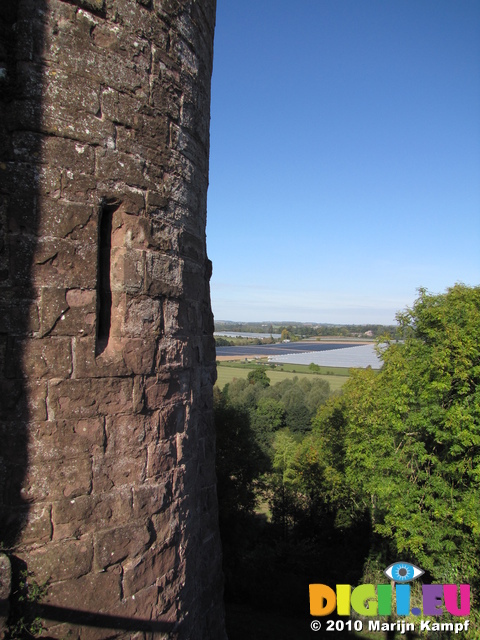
x=106 y=332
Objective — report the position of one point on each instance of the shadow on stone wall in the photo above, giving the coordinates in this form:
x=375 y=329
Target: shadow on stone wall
x=21 y=39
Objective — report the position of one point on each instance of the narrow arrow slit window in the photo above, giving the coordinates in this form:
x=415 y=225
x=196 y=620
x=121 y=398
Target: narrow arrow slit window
x=104 y=297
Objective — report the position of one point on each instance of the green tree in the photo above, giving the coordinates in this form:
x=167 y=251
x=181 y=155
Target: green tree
x=240 y=393
x=284 y=501
x=259 y=376
x=297 y=417
x=268 y=417
x=412 y=443
x=321 y=464
x=240 y=460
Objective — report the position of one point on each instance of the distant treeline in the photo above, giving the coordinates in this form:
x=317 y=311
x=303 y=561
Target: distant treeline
x=311 y=330
x=221 y=341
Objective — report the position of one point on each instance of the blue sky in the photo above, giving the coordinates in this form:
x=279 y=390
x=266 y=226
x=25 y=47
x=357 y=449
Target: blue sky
x=344 y=158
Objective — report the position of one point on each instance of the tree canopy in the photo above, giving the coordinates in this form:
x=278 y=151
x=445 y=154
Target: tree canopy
x=412 y=436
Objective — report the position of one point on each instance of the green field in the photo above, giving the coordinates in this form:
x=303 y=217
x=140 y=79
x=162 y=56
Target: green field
x=227 y=371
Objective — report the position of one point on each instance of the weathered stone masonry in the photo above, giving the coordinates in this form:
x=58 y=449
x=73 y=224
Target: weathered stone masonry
x=107 y=482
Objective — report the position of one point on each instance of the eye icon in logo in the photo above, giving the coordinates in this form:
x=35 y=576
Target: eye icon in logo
x=403 y=572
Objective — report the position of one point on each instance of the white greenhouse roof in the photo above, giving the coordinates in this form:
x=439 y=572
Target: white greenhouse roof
x=353 y=357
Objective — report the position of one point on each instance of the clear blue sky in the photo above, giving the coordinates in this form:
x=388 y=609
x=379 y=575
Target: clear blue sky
x=345 y=156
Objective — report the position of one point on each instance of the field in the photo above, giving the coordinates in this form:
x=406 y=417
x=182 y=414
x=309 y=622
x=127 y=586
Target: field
x=227 y=371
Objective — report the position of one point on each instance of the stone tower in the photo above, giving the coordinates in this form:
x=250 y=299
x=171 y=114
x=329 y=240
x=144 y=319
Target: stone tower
x=107 y=481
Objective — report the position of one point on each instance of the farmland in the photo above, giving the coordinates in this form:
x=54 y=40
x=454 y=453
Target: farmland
x=228 y=371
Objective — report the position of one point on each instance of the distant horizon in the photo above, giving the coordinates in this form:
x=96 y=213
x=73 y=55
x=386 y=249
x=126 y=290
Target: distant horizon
x=295 y=322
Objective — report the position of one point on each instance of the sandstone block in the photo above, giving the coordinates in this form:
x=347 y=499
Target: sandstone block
x=184 y=142
x=209 y=354
x=121 y=70
x=24 y=113
x=82 y=127
x=23 y=399
x=175 y=354
x=64 y=263
x=127 y=270
x=117 y=322
x=78 y=318
x=192 y=247
x=166 y=524
x=21 y=250
x=75 y=186
x=192 y=119
x=3 y=351
x=70 y=399
x=83 y=593
x=58 y=218
x=121 y=166
x=120 y=543
x=36 y=358
x=27 y=44
x=64 y=439
x=27 y=145
x=162 y=458
x=143 y=317
x=157 y=391
x=166 y=95
x=117 y=107
x=132 y=198
x=139 y=395
x=151 y=133
x=136 y=232
x=137 y=141
x=194 y=279
x=163 y=275
x=50 y=182
x=53 y=307
x=87 y=514
x=162 y=236
x=32 y=525
x=156 y=198
x=36 y=393
x=150 y=499
x=19 y=315
x=87 y=364
x=130 y=432
x=139 y=355
x=66 y=560
x=112 y=471
x=145 y=571
x=55 y=479
x=174 y=317
x=64 y=153
x=124 y=228
x=172 y=420
x=59 y=93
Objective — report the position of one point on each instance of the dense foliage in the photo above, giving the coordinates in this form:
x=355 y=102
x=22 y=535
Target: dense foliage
x=261 y=429
x=413 y=437
x=389 y=469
